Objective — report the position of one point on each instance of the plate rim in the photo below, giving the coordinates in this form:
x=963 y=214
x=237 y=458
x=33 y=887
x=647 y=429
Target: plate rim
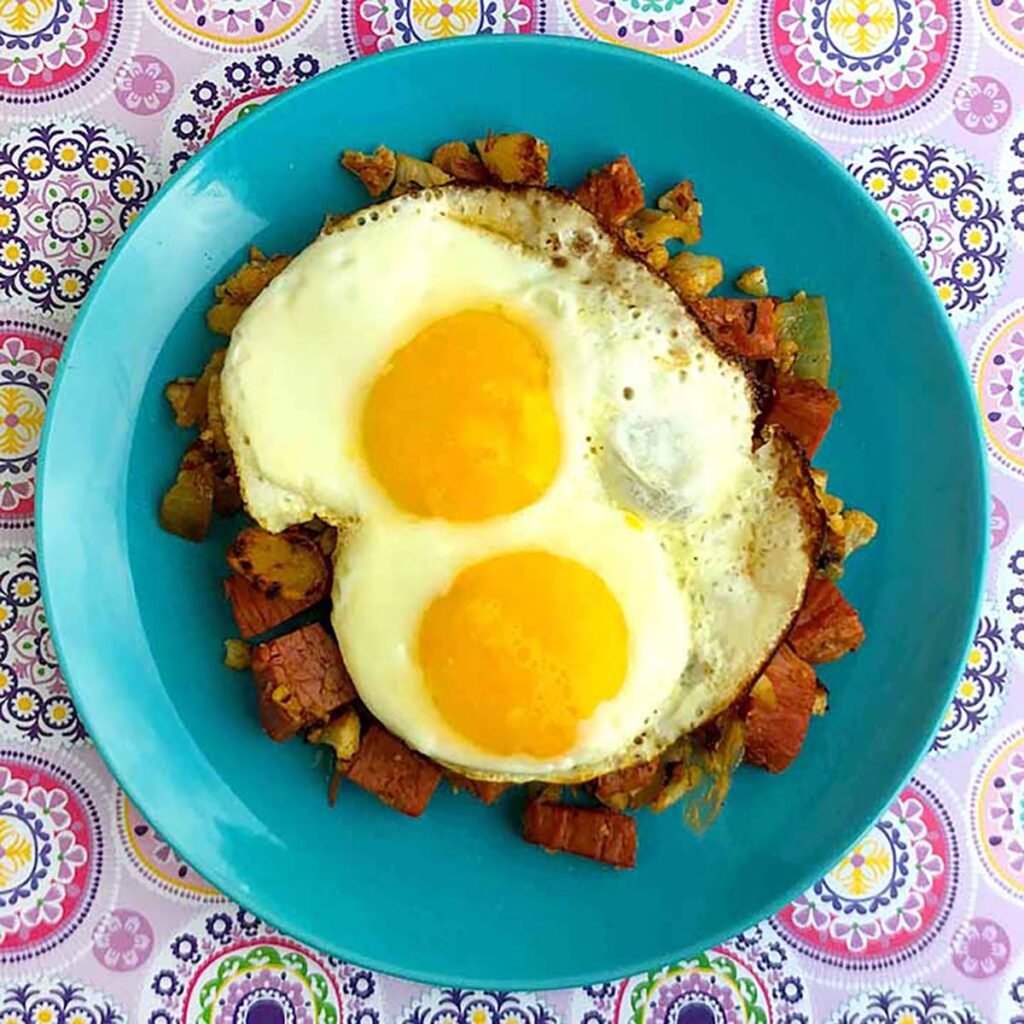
x=230 y=885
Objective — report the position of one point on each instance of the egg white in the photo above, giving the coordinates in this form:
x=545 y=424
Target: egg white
x=654 y=420
x=379 y=602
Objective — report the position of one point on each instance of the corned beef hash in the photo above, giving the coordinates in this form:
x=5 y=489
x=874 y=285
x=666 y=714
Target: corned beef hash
x=553 y=500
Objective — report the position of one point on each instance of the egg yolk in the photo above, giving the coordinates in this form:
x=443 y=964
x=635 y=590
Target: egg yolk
x=461 y=424
x=521 y=649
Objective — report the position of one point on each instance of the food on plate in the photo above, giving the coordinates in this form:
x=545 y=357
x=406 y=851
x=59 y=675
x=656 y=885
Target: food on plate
x=386 y=767
x=300 y=679
x=828 y=627
x=556 y=465
x=290 y=564
x=595 y=832
x=694 y=275
x=515 y=159
x=804 y=409
x=779 y=710
x=743 y=326
x=753 y=281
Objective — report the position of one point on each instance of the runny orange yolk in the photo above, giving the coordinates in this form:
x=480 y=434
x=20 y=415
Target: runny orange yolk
x=522 y=648
x=461 y=424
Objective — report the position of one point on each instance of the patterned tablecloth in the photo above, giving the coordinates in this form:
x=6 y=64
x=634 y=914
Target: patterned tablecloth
x=100 y=100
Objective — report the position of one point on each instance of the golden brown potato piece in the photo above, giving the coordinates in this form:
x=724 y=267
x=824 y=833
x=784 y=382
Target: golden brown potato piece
x=187 y=507
x=178 y=393
x=411 y=174
x=341 y=734
x=613 y=193
x=515 y=159
x=237 y=655
x=684 y=205
x=692 y=275
x=289 y=564
x=456 y=159
x=195 y=411
x=239 y=290
x=375 y=170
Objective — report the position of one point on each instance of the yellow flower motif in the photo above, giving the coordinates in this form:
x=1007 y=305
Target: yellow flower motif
x=863 y=867
x=34 y=163
x=968 y=270
x=6 y=220
x=975 y=236
x=126 y=188
x=865 y=26
x=38 y=276
x=16 y=852
x=59 y=713
x=445 y=18
x=910 y=175
x=877 y=183
x=70 y=287
x=974 y=658
x=68 y=154
x=945 y=292
x=24 y=704
x=966 y=205
x=967 y=689
x=25 y=588
x=44 y=1015
x=11 y=186
x=101 y=163
x=942 y=181
x=13 y=252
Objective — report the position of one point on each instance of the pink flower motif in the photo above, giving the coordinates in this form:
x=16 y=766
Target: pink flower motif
x=19 y=71
x=88 y=9
x=932 y=25
x=12 y=788
x=812 y=70
x=982 y=104
x=232 y=19
x=700 y=13
x=51 y=804
x=651 y=31
x=376 y=14
x=910 y=811
x=70 y=856
x=909 y=75
x=929 y=865
x=1002 y=389
x=793 y=21
x=123 y=940
x=856 y=936
x=46 y=908
x=809 y=915
x=1017 y=21
x=281 y=8
x=981 y=948
x=144 y=85
x=906 y=918
x=516 y=16
x=860 y=92
x=70 y=53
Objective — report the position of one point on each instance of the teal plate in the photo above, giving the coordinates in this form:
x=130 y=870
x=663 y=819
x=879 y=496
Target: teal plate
x=456 y=897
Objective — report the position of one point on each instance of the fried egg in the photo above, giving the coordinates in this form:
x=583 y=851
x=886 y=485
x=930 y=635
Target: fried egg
x=570 y=548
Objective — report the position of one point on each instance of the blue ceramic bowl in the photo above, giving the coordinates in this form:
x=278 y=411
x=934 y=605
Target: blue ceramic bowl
x=456 y=897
